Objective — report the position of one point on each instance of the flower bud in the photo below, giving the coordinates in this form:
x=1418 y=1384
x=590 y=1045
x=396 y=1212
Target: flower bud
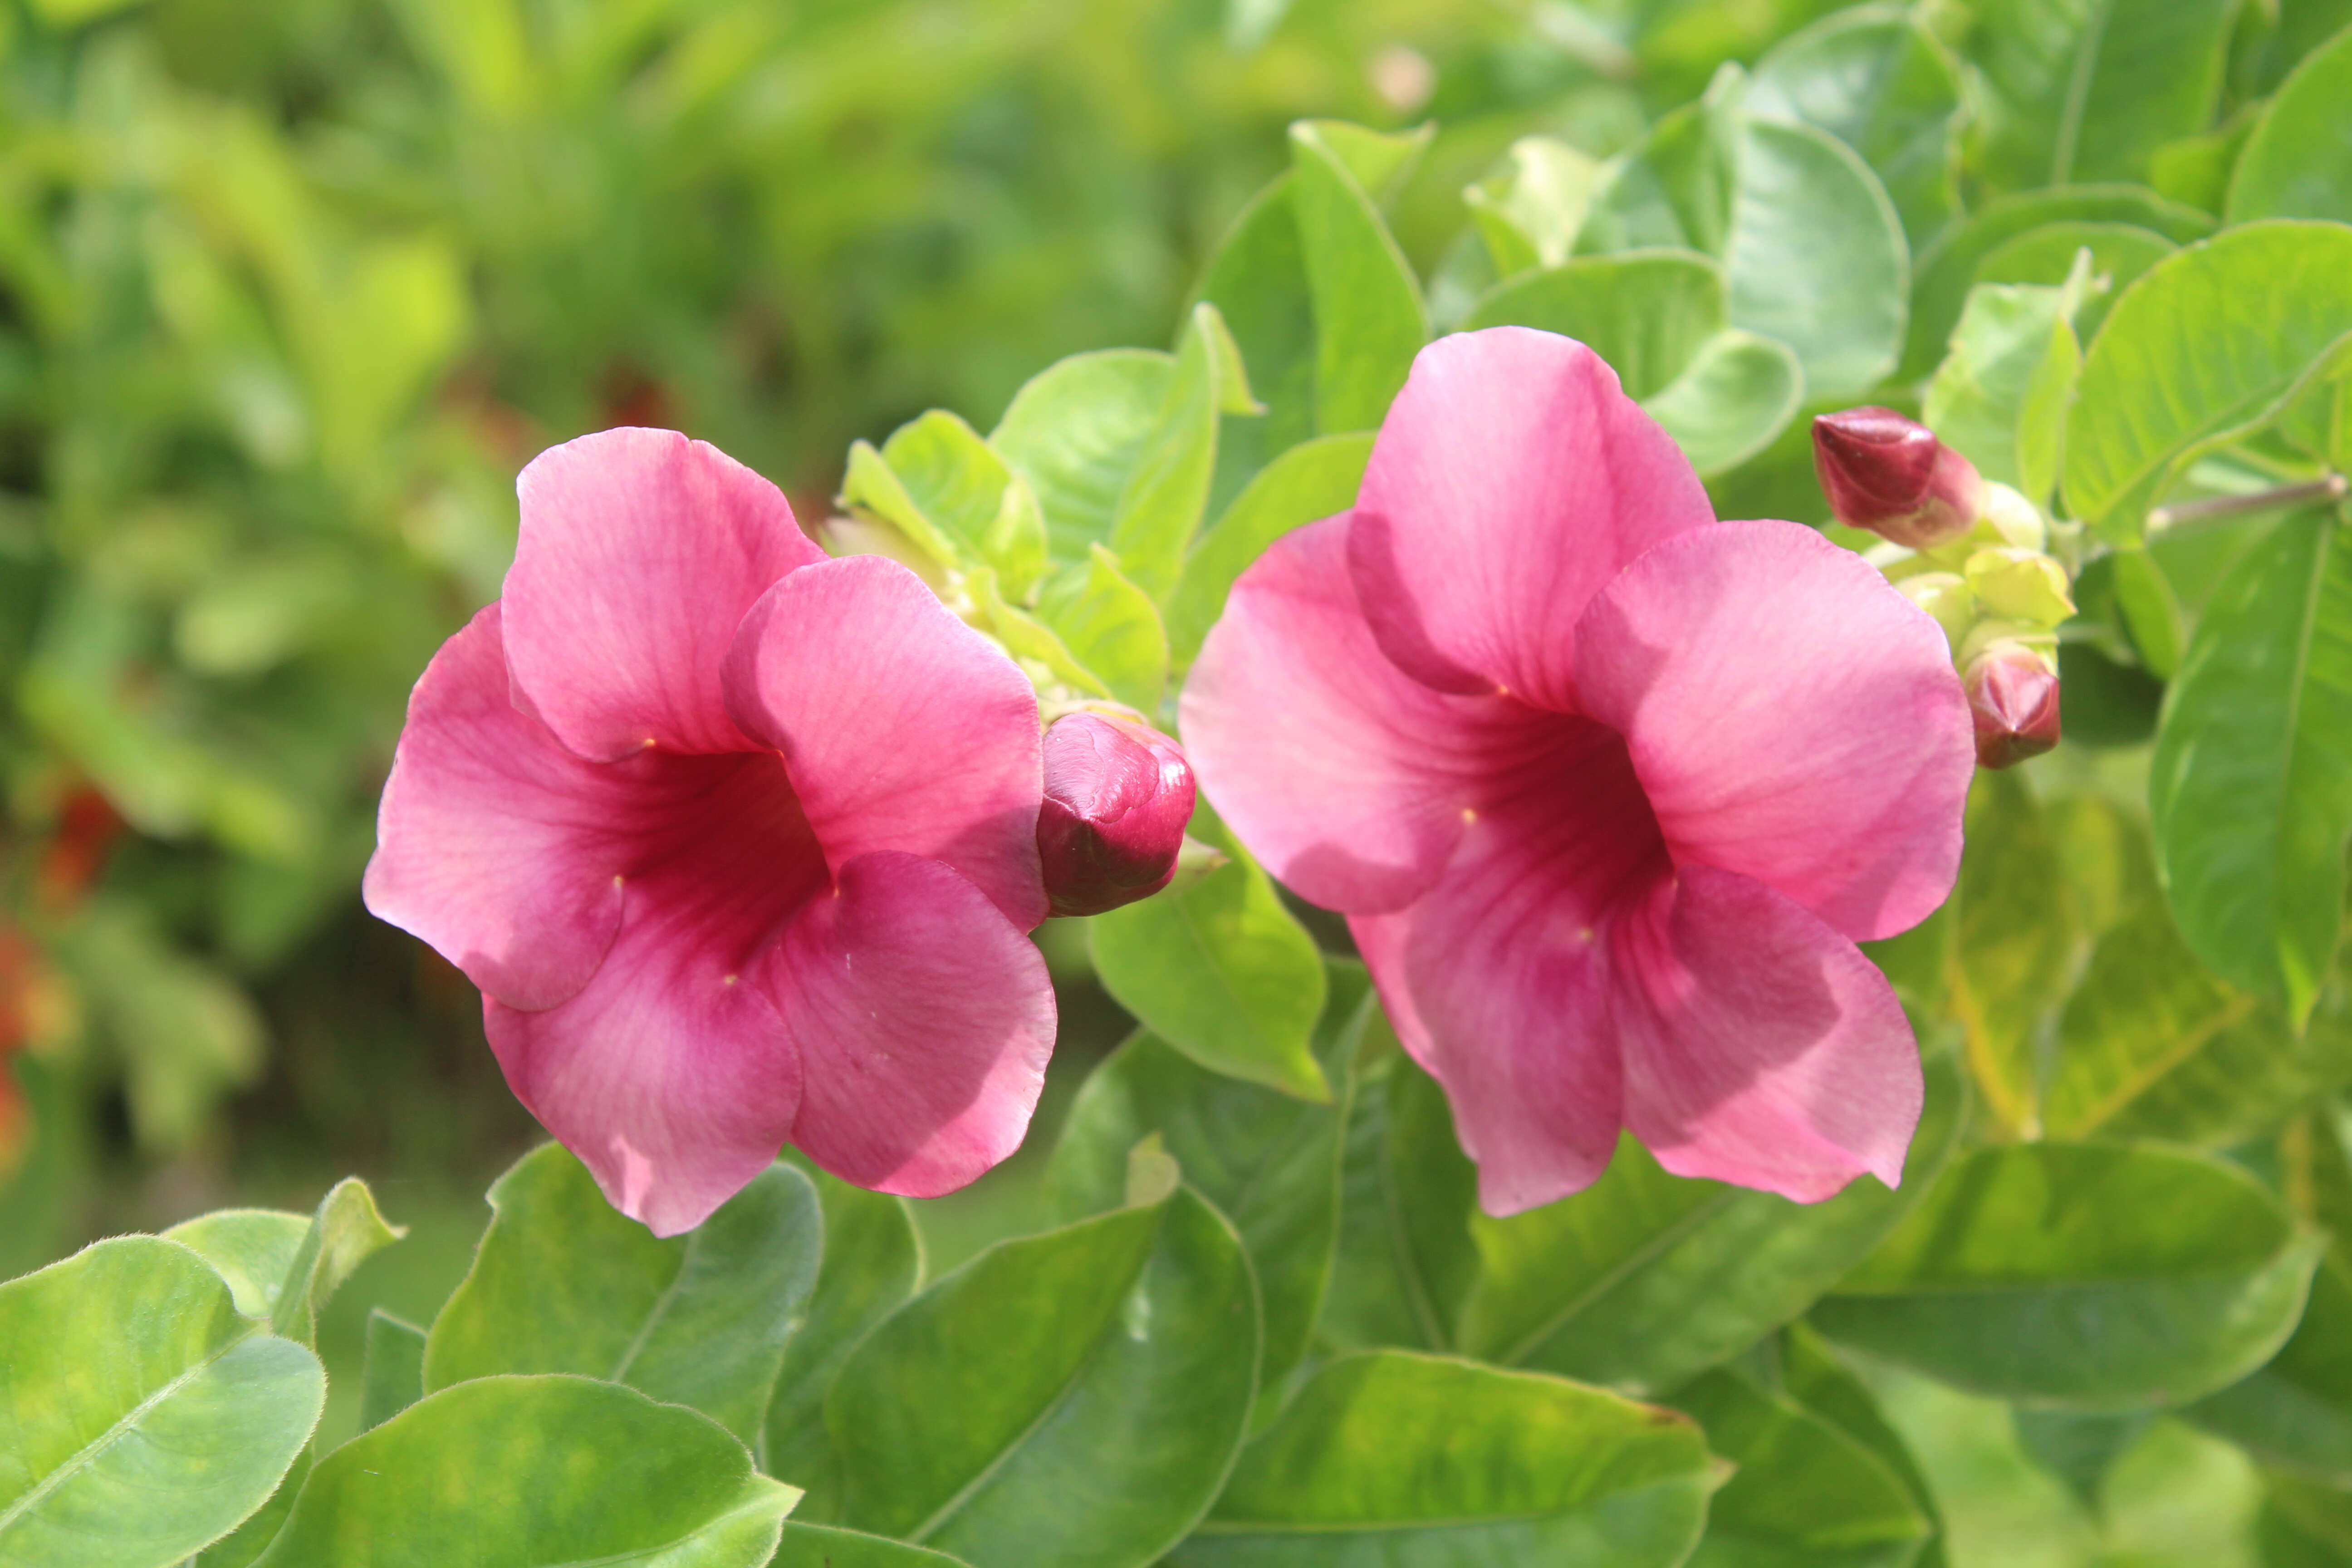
x=2020 y=586
x=1890 y=475
x=2013 y=698
x=1945 y=595
x=1117 y=795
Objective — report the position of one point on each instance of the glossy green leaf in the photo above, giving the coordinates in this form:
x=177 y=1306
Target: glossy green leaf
x=392 y=1376
x=1257 y=280
x=2042 y=416
x=2251 y=790
x=141 y=1416
x=1976 y=404
x=1271 y=1162
x=1369 y=317
x=251 y=1248
x=1160 y=506
x=1222 y=972
x=806 y=1545
x=535 y=1472
x=1529 y=214
x=1948 y=269
x=2088 y=90
x=1110 y=624
x=344 y=1233
x=873 y=1261
x=1648 y=312
x=564 y=1282
x=2295 y=1412
x=1877 y=81
x=2013 y=947
x=2120 y=252
x=1405 y=1259
x=1804 y=1491
x=2096 y=1277
x=1415 y=1462
x=2297 y=162
x=1313 y=480
x=1737 y=394
x=1811 y=1373
x=1644 y=1279
x=962 y=488
x=2152 y=1044
x=2078 y=1449
x=1070 y=1398
x=2208 y=346
x=1811 y=224
x=1075 y=431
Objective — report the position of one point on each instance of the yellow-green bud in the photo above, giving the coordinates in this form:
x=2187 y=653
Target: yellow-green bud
x=1945 y=595
x=2020 y=584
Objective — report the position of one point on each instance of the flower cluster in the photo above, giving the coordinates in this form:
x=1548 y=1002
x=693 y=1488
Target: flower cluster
x=1972 y=554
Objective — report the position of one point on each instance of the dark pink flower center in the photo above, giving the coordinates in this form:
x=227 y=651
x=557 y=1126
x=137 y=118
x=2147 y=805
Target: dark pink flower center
x=1562 y=790
x=718 y=848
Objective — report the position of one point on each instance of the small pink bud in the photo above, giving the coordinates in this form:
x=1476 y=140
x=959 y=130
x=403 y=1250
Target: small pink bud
x=2013 y=697
x=1117 y=795
x=1890 y=475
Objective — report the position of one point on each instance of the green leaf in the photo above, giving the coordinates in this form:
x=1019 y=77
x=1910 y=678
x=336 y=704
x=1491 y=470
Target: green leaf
x=806 y=1545
x=1160 y=506
x=1415 y=1462
x=1269 y=1162
x=2208 y=346
x=2014 y=945
x=872 y=489
x=1070 y=1398
x=1648 y=312
x=1804 y=1491
x=2294 y=161
x=141 y=1416
x=1110 y=627
x=2120 y=252
x=1949 y=269
x=2095 y=1277
x=2042 y=414
x=1221 y=970
x=1313 y=480
x=1812 y=224
x=523 y=1472
x=344 y=1233
x=1737 y=394
x=2303 y=1525
x=1257 y=280
x=1976 y=402
x=1878 y=81
x=2078 y=1449
x=392 y=1376
x=2152 y=1044
x=2088 y=90
x=1529 y=213
x=1369 y=318
x=873 y=1261
x=253 y=1249
x=963 y=490
x=564 y=1282
x=2251 y=789
x=1405 y=1260
x=1075 y=432
x=2294 y=1413
x=1811 y=1373
x=1644 y=1279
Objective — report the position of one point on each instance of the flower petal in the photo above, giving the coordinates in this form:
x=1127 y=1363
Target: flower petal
x=672 y=1077
x=1497 y=980
x=1760 y=1047
x=639 y=552
x=1792 y=718
x=923 y=1018
x=903 y=728
x=1347 y=777
x=492 y=837
x=1511 y=479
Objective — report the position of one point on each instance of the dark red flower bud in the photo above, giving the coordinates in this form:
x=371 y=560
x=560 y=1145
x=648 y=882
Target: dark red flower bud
x=1117 y=795
x=1890 y=475
x=2013 y=697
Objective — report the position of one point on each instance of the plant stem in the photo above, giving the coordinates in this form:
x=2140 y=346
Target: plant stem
x=2332 y=487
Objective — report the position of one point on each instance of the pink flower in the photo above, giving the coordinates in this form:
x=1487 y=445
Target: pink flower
x=738 y=841
x=1607 y=789
x=1117 y=795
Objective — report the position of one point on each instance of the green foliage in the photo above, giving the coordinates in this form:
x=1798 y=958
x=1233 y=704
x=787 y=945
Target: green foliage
x=562 y=1283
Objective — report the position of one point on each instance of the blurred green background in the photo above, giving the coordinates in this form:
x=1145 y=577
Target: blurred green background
x=290 y=289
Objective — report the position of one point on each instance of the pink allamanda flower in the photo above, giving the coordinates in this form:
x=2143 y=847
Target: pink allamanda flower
x=738 y=841
x=1608 y=790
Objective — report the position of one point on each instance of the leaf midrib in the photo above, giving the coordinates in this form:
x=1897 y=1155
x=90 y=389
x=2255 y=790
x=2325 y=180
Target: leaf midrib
x=90 y=1452
x=1616 y=1276
x=2077 y=103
